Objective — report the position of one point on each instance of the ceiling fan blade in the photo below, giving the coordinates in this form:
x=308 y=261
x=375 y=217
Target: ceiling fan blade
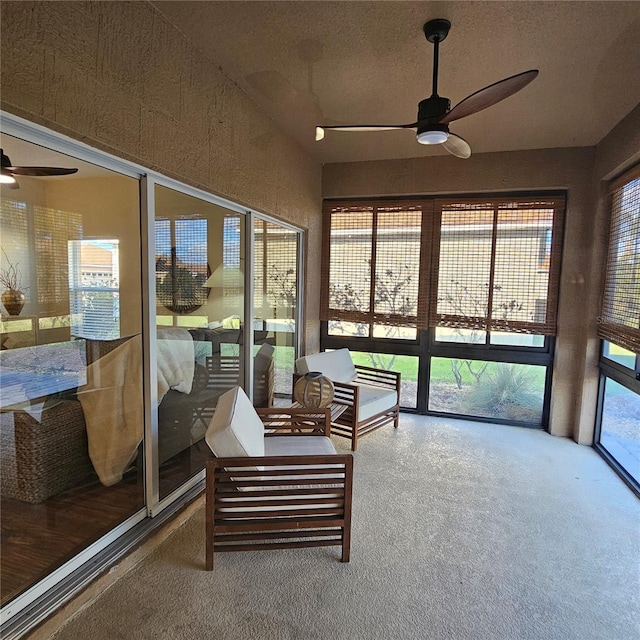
x=40 y=171
x=457 y=146
x=320 y=129
x=489 y=96
x=370 y=127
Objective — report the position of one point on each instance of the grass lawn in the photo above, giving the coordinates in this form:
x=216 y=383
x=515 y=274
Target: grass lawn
x=440 y=368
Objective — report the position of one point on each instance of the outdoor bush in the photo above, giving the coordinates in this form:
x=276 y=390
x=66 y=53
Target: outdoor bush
x=509 y=391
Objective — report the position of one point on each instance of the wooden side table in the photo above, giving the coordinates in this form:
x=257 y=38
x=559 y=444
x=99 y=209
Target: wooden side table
x=335 y=408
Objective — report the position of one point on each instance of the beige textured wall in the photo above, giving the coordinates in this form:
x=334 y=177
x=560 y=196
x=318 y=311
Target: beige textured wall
x=117 y=76
x=566 y=169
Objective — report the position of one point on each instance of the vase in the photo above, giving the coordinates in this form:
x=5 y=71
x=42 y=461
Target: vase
x=313 y=390
x=13 y=301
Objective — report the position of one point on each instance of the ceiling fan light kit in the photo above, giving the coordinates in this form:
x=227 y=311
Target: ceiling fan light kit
x=435 y=113
x=6 y=178
x=434 y=134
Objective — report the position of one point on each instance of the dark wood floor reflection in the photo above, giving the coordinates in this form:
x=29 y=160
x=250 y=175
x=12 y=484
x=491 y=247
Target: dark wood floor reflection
x=38 y=538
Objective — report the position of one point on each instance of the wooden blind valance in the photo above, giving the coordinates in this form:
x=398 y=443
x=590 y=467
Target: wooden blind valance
x=619 y=320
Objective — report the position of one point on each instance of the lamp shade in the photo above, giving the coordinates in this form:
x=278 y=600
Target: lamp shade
x=313 y=390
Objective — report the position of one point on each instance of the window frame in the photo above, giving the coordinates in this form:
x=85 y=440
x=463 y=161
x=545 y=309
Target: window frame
x=425 y=346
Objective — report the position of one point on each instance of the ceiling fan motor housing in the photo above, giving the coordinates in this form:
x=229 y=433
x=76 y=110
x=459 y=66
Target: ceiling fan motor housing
x=433 y=108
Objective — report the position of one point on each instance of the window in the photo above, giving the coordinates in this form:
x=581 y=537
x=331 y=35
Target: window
x=464 y=287
x=620 y=313
x=94 y=288
x=618 y=417
x=487 y=268
x=181 y=262
x=375 y=286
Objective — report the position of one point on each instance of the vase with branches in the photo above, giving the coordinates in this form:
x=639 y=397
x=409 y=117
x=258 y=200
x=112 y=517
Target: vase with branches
x=13 y=298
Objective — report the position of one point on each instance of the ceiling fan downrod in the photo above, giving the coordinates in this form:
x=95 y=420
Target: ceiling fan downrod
x=436 y=31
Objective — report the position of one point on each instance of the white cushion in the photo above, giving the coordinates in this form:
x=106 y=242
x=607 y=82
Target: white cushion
x=298 y=446
x=235 y=428
x=265 y=351
x=336 y=365
x=373 y=400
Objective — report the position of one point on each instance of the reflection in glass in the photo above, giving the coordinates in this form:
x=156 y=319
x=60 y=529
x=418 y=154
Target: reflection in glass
x=70 y=365
x=517 y=339
x=394 y=332
x=620 y=431
x=619 y=354
x=275 y=310
x=467 y=336
x=506 y=391
x=200 y=325
x=355 y=329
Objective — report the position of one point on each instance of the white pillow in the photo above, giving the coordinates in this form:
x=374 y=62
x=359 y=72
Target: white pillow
x=235 y=429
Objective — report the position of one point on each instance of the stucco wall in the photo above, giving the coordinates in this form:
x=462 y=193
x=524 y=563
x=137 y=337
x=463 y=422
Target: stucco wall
x=119 y=77
x=567 y=169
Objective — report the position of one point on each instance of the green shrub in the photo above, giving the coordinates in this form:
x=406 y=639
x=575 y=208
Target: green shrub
x=508 y=391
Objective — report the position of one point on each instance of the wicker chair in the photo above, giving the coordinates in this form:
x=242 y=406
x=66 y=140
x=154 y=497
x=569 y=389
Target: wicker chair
x=43 y=457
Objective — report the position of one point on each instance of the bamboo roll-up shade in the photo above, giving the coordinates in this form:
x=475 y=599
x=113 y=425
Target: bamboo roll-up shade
x=346 y=265
x=620 y=310
x=52 y=230
x=372 y=263
x=275 y=270
x=497 y=264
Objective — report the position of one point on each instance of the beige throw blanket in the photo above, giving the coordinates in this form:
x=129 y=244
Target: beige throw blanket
x=112 y=398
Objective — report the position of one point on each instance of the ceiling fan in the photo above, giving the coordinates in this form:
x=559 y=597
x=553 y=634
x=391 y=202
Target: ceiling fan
x=435 y=113
x=8 y=172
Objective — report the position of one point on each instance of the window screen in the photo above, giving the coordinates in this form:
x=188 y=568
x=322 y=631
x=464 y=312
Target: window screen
x=620 y=312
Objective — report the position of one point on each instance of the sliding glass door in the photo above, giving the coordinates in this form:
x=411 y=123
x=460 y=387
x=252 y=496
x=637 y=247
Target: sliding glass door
x=200 y=324
x=119 y=332
x=276 y=283
x=71 y=395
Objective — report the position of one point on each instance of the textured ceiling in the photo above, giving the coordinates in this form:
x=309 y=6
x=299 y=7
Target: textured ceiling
x=343 y=62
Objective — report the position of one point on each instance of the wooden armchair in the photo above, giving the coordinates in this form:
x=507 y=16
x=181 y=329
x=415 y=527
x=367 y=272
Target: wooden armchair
x=293 y=491
x=371 y=395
